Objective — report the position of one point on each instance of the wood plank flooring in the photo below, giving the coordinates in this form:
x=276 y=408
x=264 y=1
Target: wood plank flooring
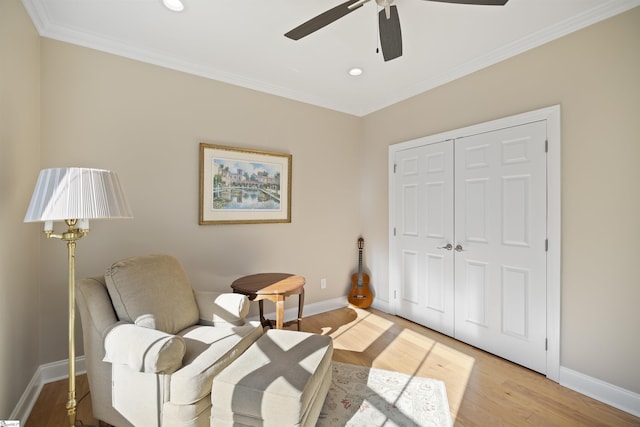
x=483 y=390
x=50 y=411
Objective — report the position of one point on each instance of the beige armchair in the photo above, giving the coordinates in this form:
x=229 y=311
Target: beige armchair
x=153 y=345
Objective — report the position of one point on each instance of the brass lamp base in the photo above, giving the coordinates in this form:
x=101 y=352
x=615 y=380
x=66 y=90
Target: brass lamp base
x=70 y=236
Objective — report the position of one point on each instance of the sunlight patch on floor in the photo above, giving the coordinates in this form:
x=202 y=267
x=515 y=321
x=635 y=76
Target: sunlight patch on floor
x=406 y=350
x=415 y=354
x=347 y=338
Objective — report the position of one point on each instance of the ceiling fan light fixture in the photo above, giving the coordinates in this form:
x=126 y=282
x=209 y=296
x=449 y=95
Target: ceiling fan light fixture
x=356 y=71
x=174 y=5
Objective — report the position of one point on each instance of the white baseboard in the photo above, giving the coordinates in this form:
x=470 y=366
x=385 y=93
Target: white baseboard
x=383 y=306
x=28 y=399
x=610 y=394
x=309 y=309
x=322 y=307
x=45 y=374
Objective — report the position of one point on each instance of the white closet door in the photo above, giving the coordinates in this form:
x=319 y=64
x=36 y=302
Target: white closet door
x=424 y=208
x=500 y=227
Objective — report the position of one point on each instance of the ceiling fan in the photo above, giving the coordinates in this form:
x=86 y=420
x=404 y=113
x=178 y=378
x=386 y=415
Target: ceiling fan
x=388 y=22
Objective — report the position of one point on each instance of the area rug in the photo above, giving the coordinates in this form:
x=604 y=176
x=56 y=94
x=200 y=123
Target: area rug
x=362 y=396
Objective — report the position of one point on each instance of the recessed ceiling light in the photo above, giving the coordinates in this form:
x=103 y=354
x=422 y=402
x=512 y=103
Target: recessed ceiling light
x=355 y=71
x=174 y=5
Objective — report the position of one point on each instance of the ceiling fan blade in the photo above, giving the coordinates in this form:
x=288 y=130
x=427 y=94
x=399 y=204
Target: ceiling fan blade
x=390 y=33
x=324 y=19
x=476 y=2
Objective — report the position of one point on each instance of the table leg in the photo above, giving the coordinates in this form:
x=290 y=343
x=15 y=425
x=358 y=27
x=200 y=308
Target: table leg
x=300 y=305
x=279 y=311
x=264 y=322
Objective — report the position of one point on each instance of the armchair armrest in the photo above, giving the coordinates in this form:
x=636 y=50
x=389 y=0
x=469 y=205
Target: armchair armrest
x=144 y=349
x=221 y=308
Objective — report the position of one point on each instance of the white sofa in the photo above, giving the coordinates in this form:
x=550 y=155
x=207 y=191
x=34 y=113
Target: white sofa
x=153 y=345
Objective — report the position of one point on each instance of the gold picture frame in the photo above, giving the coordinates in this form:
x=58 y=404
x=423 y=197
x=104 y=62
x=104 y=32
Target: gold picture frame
x=242 y=186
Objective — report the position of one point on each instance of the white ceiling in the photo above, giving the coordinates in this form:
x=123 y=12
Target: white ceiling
x=242 y=42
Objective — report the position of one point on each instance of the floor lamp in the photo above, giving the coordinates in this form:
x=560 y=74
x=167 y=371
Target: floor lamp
x=75 y=195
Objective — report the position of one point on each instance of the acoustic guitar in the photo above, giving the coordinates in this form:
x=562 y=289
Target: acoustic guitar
x=360 y=295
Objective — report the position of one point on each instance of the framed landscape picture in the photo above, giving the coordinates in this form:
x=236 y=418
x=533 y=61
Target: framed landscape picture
x=244 y=186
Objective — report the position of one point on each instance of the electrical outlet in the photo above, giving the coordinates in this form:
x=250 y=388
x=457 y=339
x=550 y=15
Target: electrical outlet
x=323 y=283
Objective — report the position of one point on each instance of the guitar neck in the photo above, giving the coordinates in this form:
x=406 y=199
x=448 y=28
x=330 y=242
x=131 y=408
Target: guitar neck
x=360 y=280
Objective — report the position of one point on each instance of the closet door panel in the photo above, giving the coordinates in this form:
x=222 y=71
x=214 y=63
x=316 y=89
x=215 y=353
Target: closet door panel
x=500 y=227
x=424 y=181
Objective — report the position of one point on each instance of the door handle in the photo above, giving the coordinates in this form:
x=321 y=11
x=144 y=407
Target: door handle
x=459 y=248
x=448 y=247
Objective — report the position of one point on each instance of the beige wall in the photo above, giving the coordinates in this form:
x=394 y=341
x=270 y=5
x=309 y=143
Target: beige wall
x=19 y=163
x=145 y=122
x=594 y=74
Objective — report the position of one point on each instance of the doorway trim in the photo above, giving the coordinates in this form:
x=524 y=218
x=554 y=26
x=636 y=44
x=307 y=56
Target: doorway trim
x=554 y=214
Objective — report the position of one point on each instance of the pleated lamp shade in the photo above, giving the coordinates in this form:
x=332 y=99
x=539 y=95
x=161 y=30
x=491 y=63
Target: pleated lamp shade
x=77 y=193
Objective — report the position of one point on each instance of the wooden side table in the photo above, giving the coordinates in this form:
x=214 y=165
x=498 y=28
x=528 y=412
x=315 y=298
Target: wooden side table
x=274 y=287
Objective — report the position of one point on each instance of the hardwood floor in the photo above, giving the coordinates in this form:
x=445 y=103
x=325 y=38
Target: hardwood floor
x=49 y=410
x=483 y=390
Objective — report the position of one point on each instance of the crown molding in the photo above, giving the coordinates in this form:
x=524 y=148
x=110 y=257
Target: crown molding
x=38 y=13
x=603 y=11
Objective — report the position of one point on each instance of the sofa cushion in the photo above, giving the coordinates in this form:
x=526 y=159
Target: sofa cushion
x=275 y=381
x=210 y=349
x=152 y=291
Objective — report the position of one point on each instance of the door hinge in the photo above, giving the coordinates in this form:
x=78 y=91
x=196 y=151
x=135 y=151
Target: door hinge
x=394 y=294
x=546 y=344
x=394 y=232
x=546 y=146
x=395 y=167
x=546 y=245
